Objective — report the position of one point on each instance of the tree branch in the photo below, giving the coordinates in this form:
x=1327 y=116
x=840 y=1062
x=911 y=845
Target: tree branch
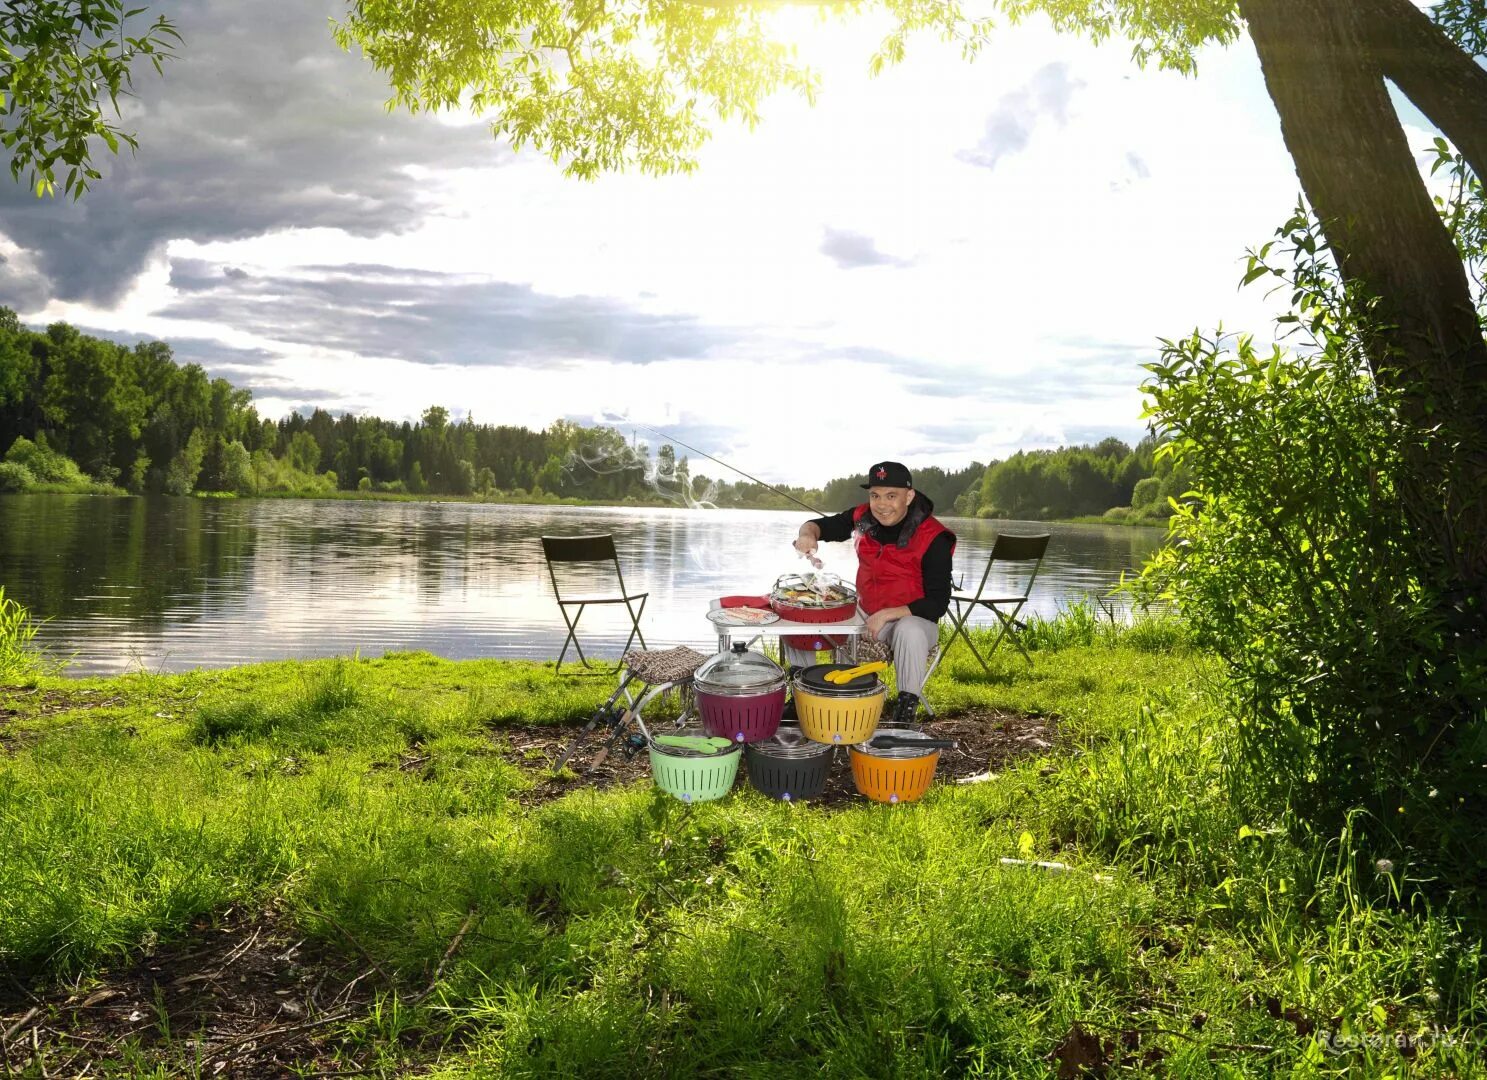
x=1364 y=183
x=1444 y=83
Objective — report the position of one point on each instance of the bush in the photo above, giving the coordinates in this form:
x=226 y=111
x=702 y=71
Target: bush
x=15 y=477
x=1146 y=491
x=1297 y=562
x=45 y=465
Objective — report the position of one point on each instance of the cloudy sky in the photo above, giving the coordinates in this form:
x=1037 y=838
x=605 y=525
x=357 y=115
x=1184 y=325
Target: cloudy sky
x=945 y=263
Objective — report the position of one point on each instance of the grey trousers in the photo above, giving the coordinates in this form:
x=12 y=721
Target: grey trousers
x=910 y=638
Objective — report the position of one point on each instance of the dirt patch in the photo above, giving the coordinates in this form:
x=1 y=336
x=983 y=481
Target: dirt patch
x=38 y=702
x=245 y=998
x=26 y=704
x=988 y=739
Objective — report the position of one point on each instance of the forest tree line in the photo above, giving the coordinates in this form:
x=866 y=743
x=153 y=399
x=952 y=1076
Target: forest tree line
x=84 y=413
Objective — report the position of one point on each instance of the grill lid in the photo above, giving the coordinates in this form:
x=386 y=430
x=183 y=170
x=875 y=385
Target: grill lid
x=814 y=679
x=789 y=743
x=823 y=591
x=739 y=671
x=899 y=751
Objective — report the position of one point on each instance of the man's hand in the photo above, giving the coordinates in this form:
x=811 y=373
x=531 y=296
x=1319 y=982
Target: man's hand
x=805 y=543
x=879 y=619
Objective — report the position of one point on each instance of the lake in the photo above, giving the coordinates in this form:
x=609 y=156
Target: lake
x=172 y=584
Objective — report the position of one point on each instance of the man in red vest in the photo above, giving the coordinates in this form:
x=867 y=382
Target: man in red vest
x=903 y=573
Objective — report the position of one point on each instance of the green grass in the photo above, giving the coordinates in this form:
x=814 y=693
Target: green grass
x=21 y=661
x=619 y=933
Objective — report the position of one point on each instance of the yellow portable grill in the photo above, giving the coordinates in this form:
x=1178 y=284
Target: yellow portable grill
x=838 y=713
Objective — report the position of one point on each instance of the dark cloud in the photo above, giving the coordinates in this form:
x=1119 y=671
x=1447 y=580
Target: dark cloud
x=214 y=357
x=851 y=250
x=22 y=288
x=1010 y=126
x=262 y=123
x=434 y=318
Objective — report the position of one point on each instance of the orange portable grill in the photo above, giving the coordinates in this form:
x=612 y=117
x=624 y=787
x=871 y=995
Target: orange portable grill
x=896 y=764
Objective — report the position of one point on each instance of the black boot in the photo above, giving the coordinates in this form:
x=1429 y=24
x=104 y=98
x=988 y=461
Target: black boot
x=905 y=709
x=789 y=716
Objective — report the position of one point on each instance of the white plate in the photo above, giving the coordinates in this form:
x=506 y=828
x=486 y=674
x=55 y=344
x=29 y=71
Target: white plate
x=742 y=616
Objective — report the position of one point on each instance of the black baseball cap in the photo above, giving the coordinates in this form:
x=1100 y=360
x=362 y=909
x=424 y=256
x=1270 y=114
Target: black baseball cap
x=889 y=474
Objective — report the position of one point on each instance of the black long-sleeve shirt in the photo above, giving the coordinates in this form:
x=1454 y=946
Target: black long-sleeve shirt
x=935 y=566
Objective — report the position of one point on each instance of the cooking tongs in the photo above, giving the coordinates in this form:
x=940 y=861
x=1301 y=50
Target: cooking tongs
x=904 y=742
x=846 y=675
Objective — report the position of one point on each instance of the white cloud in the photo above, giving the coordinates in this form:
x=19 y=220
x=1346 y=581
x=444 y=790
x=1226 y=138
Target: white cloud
x=1018 y=306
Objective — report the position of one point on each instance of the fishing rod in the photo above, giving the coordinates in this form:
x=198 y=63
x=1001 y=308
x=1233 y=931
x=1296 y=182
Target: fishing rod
x=746 y=476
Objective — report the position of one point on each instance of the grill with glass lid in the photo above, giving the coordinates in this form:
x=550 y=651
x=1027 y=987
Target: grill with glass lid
x=692 y=766
x=740 y=694
x=889 y=768
x=789 y=766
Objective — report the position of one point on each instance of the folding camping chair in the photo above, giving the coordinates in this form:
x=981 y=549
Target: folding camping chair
x=1027 y=553
x=599 y=552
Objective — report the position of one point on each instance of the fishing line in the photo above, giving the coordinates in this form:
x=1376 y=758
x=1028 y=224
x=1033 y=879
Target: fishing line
x=746 y=476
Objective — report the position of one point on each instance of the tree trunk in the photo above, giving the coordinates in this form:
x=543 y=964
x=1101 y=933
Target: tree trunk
x=1362 y=180
x=1444 y=82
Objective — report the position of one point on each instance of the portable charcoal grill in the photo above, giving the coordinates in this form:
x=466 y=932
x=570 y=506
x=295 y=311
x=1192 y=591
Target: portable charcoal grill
x=794 y=598
x=898 y=772
x=740 y=695
x=789 y=766
x=838 y=713
x=694 y=775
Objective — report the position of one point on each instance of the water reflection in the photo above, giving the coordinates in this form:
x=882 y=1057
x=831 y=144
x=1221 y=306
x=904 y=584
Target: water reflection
x=170 y=584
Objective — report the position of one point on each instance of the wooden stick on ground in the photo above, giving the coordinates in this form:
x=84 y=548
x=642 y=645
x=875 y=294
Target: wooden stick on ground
x=14 y=1029
x=448 y=953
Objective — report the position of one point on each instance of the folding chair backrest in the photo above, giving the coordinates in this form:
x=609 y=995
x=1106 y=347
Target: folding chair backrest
x=1009 y=548
x=600 y=550
x=579 y=548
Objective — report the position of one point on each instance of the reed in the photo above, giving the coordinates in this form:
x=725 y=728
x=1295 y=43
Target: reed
x=20 y=659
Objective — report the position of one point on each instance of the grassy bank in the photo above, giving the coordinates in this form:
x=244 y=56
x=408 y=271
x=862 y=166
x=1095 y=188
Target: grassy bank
x=374 y=818
x=1106 y=519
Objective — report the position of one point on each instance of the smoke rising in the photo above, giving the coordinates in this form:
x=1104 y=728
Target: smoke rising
x=670 y=481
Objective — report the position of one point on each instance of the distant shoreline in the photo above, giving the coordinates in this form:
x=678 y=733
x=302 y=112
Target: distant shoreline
x=567 y=500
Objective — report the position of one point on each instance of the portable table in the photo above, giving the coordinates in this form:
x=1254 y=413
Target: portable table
x=853 y=627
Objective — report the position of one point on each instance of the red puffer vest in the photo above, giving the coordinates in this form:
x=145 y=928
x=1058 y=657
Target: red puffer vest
x=889 y=575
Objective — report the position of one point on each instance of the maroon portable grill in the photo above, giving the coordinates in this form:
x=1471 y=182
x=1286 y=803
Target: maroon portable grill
x=740 y=695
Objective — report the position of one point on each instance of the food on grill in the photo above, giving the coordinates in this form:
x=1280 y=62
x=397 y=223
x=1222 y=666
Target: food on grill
x=813 y=591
